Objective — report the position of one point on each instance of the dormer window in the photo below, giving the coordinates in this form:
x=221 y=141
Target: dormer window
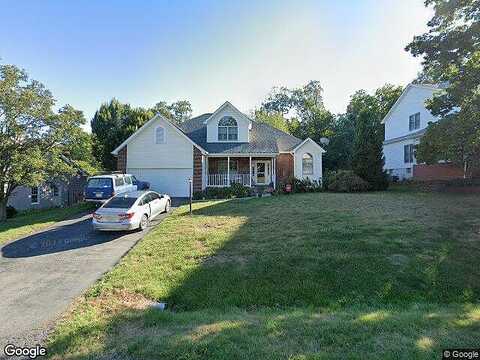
x=227 y=129
x=159 y=135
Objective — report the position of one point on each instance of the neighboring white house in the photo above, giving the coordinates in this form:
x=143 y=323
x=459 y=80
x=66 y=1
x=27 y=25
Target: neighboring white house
x=216 y=150
x=405 y=124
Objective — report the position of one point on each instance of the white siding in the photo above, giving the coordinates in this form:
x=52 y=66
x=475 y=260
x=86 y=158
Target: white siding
x=175 y=153
x=412 y=102
x=395 y=161
x=167 y=166
x=397 y=126
x=242 y=121
x=314 y=150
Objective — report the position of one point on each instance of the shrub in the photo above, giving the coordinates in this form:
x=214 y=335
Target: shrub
x=234 y=191
x=239 y=191
x=346 y=181
x=11 y=212
x=300 y=185
x=306 y=185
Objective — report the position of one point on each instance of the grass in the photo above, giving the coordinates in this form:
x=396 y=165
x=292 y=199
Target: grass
x=309 y=276
x=32 y=221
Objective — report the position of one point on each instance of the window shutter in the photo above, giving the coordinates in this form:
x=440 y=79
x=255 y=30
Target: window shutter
x=406 y=152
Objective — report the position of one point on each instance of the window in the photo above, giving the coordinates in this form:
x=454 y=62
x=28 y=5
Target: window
x=123 y=202
x=159 y=135
x=307 y=164
x=54 y=188
x=227 y=129
x=414 y=122
x=34 y=195
x=128 y=180
x=99 y=183
x=222 y=165
x=409 y=153
x=119 y=182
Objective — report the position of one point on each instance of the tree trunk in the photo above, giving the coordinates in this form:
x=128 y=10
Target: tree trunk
x=3 y=210
x=465 y=170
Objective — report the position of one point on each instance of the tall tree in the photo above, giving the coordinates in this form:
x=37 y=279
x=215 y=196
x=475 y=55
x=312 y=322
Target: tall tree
x=303 y=108
x=33 y=138
x=340 y=150
x=176 y=112
x=112 y=123
x=451 y=55
x=275 y=119
x=368 y=159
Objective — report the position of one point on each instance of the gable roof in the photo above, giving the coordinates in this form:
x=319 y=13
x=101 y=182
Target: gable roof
x=305 y=141
x=432 y=87
x=264 y=139
x=147 y=124
x=225 y=105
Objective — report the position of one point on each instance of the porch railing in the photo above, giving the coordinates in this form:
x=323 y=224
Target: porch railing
x=222 y=179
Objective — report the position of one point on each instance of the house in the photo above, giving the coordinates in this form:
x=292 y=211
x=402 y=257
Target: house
x=215 y=150
x=53 y=193
x=405 y=124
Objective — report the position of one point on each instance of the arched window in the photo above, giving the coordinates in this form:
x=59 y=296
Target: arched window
x=227 y=129
x=307 y=164
x=159 y=135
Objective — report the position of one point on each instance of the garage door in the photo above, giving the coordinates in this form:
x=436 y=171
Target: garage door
x=173 y=182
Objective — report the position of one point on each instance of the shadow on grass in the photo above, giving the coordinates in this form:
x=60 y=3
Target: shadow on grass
x=419 y=332
x=290 y=254
x=286 y=257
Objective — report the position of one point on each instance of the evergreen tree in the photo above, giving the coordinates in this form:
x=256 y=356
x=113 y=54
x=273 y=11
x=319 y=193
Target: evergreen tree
x=368 y=159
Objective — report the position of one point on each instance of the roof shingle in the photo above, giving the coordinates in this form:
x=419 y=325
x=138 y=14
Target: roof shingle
x=264 y=139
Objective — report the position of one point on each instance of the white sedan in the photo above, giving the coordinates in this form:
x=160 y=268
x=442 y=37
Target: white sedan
x=130 y=211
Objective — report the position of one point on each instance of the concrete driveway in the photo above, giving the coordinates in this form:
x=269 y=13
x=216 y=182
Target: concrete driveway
x=41 y=274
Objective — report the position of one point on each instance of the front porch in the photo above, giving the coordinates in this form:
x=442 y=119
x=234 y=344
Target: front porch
x=246 y=170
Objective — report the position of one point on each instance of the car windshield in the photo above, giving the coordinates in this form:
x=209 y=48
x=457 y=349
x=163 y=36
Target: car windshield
x=99 y=183
x=120 y=203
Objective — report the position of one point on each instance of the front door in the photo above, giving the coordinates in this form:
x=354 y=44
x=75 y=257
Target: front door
x=262 y=172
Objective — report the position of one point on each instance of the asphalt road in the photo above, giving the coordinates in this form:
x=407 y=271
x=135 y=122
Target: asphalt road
x=41 y=274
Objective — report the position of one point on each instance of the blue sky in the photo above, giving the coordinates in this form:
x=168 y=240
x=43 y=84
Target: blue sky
x=141 y=52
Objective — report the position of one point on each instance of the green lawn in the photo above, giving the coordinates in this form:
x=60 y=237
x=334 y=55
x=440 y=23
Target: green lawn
x=309 y=276
x=29 y=222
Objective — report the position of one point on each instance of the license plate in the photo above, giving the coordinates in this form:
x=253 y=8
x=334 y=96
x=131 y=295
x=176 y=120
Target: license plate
x=98 y=195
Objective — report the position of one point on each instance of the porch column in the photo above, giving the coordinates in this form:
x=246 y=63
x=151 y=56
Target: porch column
x=206 y=171
x=274 y=173
x=250 y=169
x=228 y=170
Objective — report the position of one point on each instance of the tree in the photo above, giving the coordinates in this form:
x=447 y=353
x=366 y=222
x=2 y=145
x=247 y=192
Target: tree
x=340 y=149
x=307 y=116
x=111 y=125
x=451 y=55
x=274 y=119
x=33 y=138
x=176 y=112
x=368 y=159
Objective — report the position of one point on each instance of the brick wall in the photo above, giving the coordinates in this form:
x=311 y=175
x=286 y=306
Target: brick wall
x=122 y=160
x=284 y=167
x=437 y=172
x=197 y=170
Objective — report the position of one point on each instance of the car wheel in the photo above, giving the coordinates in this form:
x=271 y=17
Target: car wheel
x=167 y=207
x=143 y=222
